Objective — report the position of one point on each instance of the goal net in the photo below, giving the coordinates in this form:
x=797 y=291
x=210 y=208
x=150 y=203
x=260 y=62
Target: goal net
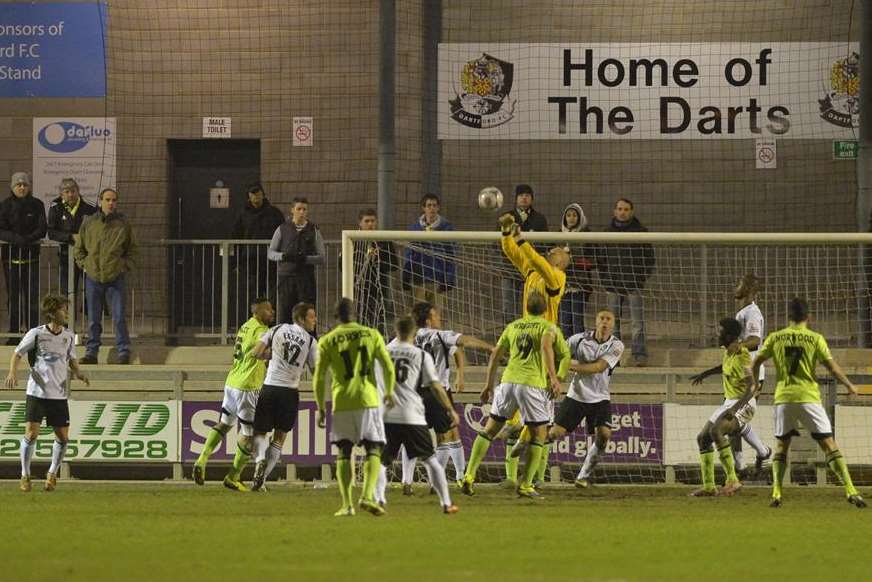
x=689 y=284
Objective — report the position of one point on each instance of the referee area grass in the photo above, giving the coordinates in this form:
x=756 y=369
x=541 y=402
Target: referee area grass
x=160 y=532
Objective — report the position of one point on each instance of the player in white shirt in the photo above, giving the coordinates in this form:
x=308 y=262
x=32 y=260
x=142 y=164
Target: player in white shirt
x=50 y=349
x=291 y=349
x=442 y=345
x=753 y=333
x=406 y=421
x=595 y=355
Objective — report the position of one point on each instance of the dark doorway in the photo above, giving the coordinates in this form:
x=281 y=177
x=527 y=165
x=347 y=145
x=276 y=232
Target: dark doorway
x=196 y=167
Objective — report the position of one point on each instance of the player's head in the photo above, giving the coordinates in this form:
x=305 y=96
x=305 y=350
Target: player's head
x=256 y=195
x=730 y=331
x=748 y=286
x=559 y=258
x=623 y=210
x=54 y=309
x=426 y=315
x=797 y=310
x=345 y=310
x=605 y=322
x=405 y=327
x=536 y=304
x=523 y=196
x=262 y=310
x=304 y=315
x=300 y=209
x=367 y=219
x=430 y=205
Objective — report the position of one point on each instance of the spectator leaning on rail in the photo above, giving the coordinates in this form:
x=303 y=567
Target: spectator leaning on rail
x=106 y=250
x=623 y=271
x=22 y=225
x=65 y=217
x=578 y=276
x=428 y=268
x=297 y=247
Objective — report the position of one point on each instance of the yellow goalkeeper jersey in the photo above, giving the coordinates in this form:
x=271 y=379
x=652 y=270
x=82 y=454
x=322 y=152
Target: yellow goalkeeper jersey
x=538 y=275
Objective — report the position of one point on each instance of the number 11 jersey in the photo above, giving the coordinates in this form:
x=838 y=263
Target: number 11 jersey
x=293 y=350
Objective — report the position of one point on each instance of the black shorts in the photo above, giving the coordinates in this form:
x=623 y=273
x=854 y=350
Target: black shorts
x=435 y=414
x=572 y=412
x=277 y=408
x=55 y=412
x=415 y=438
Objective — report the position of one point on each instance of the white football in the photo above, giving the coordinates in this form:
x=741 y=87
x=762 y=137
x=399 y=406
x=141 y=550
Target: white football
x=490 y=198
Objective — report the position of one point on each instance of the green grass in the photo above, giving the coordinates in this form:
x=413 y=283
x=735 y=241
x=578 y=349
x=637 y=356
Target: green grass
x=161 y=532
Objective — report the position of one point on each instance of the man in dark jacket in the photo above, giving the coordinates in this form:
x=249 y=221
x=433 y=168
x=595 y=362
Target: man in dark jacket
x=623 y=271
x=429 y=268
x=511 y=285
x=254 y=276
x=65 y=217
x=297 y=247
x=373 y=263
x=22 y=225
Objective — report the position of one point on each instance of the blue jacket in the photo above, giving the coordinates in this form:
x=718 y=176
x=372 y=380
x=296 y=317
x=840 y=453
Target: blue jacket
x=430 y=262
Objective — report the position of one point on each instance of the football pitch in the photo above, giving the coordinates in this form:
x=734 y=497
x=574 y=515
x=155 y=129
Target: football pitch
x=160 y=532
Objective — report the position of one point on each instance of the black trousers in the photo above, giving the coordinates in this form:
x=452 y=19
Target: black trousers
x=293 y=289
x=22 y=287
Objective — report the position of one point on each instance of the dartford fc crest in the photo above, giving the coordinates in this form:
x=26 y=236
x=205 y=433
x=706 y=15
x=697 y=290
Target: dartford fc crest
x=483 y=98
x=841 y=105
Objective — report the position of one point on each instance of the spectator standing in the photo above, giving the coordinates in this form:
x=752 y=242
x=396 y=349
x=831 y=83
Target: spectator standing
x=22 y=225
x=374 y=261
x=429 y=268
x=578 y=275
x=297 y=247
x=106 y=251
x=529 y=220
x=65 y=217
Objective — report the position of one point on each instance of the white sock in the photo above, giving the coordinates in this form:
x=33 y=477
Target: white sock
x=260 y=445
x=458 y=457
x=381 y=485
x=57 y=455
x=752 y=439
x=590 y=462
x=738 y=459
x=443 y=453
x=27 y=448
x=273 y=455
x=408 y=467
x=436 y=474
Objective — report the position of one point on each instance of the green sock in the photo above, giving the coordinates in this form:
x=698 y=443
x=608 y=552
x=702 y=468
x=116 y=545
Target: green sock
x=707 y=468
x=371 y=468
x=345 y=477
x=839 y=467
x=543 y=463
x=779 y=465
x=480 y=447
x=213 y=439
x=534 y=457
x=511 y=462
x=726 y=455
x=239 y=461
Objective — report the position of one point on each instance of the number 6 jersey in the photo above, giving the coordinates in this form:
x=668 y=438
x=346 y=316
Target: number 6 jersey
x=415 y=373
x=293 y=350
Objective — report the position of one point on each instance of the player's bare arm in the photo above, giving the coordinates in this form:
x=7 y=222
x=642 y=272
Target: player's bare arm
x=750 y=392
x=594 y=367
x=78 y=374
x=441 y=395
x=459 y=369
x=548 y=340
x=697 y=379
x=261 y=351
x=839 y=375
x=12 y=376
x=492 y=365
x=755 y=371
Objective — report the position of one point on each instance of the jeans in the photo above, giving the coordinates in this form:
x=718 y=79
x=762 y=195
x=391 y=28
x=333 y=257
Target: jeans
x=637 y=315
x=571 y=312
x=115 y=292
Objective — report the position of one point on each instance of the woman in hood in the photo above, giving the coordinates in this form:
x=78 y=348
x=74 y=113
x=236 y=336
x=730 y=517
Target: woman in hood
x=578 y=275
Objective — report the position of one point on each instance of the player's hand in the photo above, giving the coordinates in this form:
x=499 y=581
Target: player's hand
x=506 y=220
x=554 y=388
x=485 y=395
x=852 y=390
x=322 y=419
x=455 y=419
x=459 y=385
x=11 y=381
x=83 y=378
x=389 y=400
x=697 y=379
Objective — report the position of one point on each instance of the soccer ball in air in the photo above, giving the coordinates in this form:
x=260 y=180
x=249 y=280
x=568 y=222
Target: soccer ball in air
x=490 y=198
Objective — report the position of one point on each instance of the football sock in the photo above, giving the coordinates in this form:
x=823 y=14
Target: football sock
x=27 y=448
x=458 y=458
x=58 y=450
x=738 y=459
x=725 y=453
x=443 y=453
x=479 y=449
x=590 y=461
x=753 y=439
x=436 y=475
x=213 y=439
x=241 y=459
x=272 y=457
x=511 y=462
x=707 y=468
x=779 y=465
x=543 y=464
x=408 y=467
x=381 y=485
x=736 y=444
x=836 y=463
x=260 y=445
x=371 y=467
x=345 y=477
x=534 y=456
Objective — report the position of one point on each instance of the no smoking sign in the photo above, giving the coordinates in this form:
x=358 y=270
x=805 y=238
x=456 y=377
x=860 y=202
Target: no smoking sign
x=767 y=154
x=304 y=133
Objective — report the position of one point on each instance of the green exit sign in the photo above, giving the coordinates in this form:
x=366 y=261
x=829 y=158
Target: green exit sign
x=845 y=149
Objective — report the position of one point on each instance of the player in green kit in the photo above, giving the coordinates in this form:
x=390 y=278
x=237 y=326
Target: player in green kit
x=796 y=351
x=349 y=352
x=240 y=396
x=538 y=358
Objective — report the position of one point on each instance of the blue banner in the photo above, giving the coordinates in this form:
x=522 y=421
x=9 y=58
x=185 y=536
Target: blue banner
x=53 y=50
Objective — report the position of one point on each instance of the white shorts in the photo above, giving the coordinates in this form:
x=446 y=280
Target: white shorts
x=535 y=405
x=239 y=405
x=364 y=424
x=811 y=415
x=743 y=416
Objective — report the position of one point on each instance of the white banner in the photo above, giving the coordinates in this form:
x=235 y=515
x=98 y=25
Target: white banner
x=82 y=148
x=803 y=90
x=101 y=431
